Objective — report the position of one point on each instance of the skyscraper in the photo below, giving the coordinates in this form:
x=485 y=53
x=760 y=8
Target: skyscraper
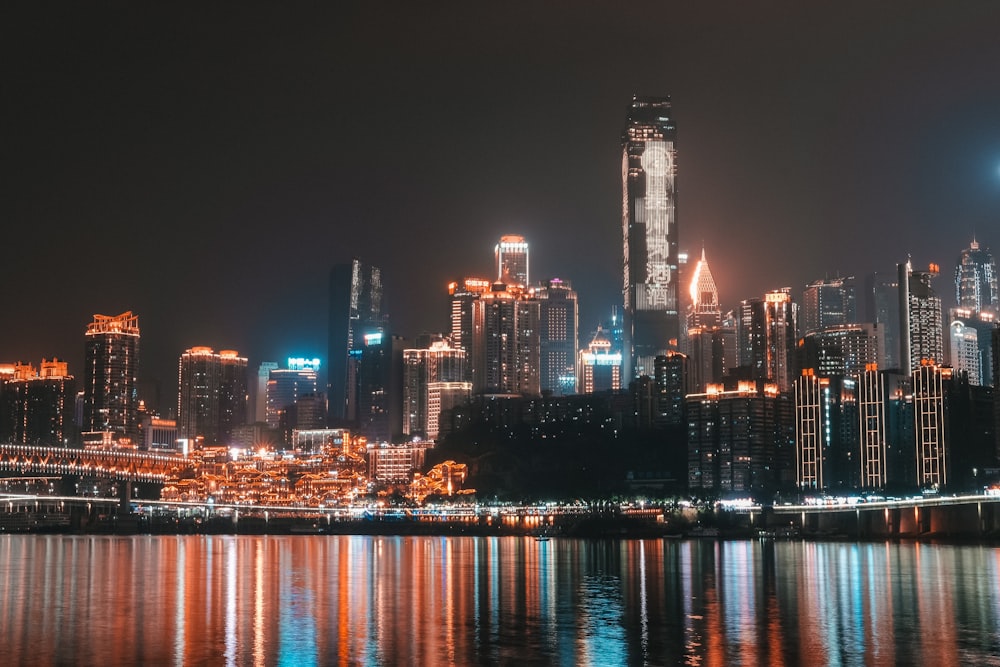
x=882 y=302
x=380 y=387
x=600 y=366
x=976 y=279
x=433 y=380
x=766 y=337
x=965 y=351
x=36 y=406
x=212 y=394
x=512 y=260
x=705 y=343
x=828 y=302
x=558 y=336
x=506 y=345
x=920 y=331
x=463 y=294
x=649 y=233
x=285 y=386
x=110 y=403
x=355 y=310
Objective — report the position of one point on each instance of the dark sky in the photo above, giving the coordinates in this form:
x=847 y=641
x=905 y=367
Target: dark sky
x=204 y=166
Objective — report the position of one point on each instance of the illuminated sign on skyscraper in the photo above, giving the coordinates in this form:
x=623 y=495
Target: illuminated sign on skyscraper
x=649 y=231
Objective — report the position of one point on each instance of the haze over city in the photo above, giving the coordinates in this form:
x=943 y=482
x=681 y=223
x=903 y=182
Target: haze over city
x=205 y=167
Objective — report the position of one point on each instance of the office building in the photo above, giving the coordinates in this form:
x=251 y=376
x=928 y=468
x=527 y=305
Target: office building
x=882 y=301
x=355 y=310
x=559 y=324
x=827 y=303
x=766 y=337
x=111 y=366
x=920 y=331
x=433 y=379
x=965 y=355
x=649 y=229
x=260 y=392
x=844 y=350
x=739 y=440
x=36 y=405
x=600 y=366
x=506 y=343
x=380 y=387
x=512 y=260
x=285 y=386
x=976 y=280
x=212 y=395
x=462 y=295
x=705 y=340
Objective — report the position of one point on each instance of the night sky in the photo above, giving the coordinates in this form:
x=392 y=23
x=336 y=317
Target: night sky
x=205 y=166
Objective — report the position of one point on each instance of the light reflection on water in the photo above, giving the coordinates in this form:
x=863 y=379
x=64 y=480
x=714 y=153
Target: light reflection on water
x=314 y=600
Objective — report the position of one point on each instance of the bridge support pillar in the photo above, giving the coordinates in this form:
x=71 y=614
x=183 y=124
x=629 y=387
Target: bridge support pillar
x=125 y=496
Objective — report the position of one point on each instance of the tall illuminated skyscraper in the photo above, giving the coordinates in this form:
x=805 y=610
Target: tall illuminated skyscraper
x=766 y=337
x=110 y=402
x=36 y=405
x=463 y=294
x=705 y=341
x=512 y=260
x=433 y=380
x=505 y=344
x=355 y=311
x=976 y=279
x=920 y=331
x=649 y=234
x=828 y=302
x=558 y=335
x=212 y=395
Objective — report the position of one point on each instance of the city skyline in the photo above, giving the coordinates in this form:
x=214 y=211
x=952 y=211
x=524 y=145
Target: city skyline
x=180 y=173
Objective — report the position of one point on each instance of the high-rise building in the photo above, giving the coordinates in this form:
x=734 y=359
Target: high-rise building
x=600 y=367
x=212 y=394
x=978 y=305
x=739 y=440
x=512 y=260
x=839 y=351
x=36 y=405
x=355 y=310
x=506 y=343
x=110 y=402
x=965 y=357
x=976 y=279
x=828 y=302
x=882 y=300
x=462 y=295
x=982 y=323
x=766 y=337
x=826 y=432
x=285 y=386
x=558 y=337
x=380 y=387
x=920 y=330
x=260 y=391
x=649 y=232
x=433 y=379
x=932 y=437
x=705 y=341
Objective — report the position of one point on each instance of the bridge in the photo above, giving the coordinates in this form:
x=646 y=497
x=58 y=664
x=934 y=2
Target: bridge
x=960 y=515
x=121 y=465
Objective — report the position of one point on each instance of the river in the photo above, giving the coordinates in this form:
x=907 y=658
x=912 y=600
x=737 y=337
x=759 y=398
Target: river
x=318 y=600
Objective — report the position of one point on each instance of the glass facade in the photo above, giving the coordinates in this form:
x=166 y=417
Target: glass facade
x=649 y=233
